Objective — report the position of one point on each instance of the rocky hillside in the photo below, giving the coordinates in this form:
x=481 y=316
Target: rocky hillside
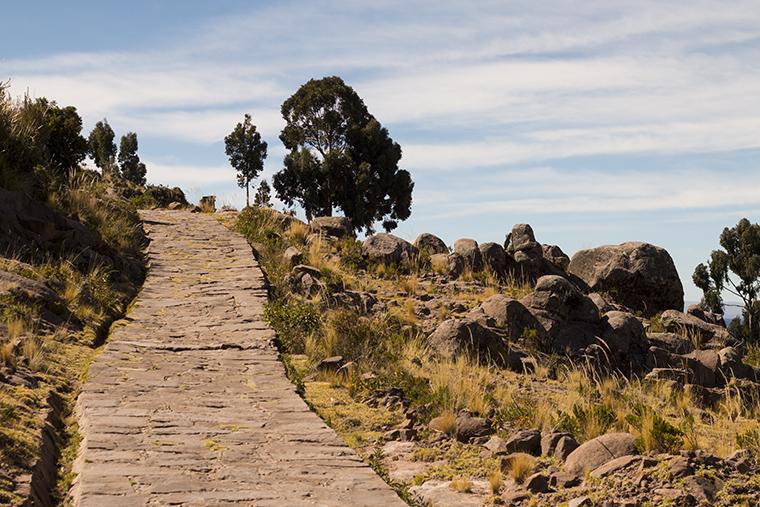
x=509 y=373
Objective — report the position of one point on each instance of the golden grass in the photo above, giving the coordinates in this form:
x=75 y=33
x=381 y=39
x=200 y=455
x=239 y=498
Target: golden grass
x=495 y=481
x=446 y=423
x=297 y=232
x=521 y=466
x=461 y=485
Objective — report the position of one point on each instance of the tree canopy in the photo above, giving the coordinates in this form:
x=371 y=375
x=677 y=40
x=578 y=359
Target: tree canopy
x=102 y=147
x=131 y=168
x=66 y=148
x=246 y=152
x=263 y=197
x=734 y=269
x=341 y=157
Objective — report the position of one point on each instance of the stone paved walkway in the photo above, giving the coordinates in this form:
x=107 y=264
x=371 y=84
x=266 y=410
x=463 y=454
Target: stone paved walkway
x=188 y=403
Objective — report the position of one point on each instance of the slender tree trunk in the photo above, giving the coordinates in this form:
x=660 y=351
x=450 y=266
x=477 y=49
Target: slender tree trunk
x=247 y=193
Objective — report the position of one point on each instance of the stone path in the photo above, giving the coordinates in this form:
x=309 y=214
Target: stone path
x=188 y=403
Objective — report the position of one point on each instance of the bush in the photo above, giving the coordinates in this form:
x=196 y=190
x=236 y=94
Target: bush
x=293 y=321
x=655 y=433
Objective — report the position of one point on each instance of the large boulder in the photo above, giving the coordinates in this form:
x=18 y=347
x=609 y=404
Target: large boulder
x=671 y=342
x=470 y=252
x=455 y=337
x=451 y=265
x=494 y=258
x=509 y=314
x=626 y=339
x=388 y=249
x=639 y=276
x=556 y=256
x=691 y=326
x=431 y=244
x=570 y=318
x=709 y=317
x=337 y=227
x=601 y=450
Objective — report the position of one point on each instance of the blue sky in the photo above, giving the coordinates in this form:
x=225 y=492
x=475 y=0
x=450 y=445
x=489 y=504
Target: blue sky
x=596 y=122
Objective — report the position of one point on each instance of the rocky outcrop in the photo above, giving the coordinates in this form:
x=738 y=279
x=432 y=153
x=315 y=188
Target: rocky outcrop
x=556 y=256
x=451 y=265
x=570 y=318
x=337 y=227
x=509 y=315
x=626 y=339
x=709 y=334
x=388 y=249
x=639 y=276
x=470 y=252
x=709 y=317
x=467 y=336
x=431 y=244
x=494 y=258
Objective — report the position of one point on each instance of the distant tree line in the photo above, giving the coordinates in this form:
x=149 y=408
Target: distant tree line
x=339 y=157
x=42 y=142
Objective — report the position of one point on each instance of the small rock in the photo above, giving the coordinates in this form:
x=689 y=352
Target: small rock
x=581 y=501
x=613 y=466
x=562 y=480
x=333 y=363
x=497 y=446
x=565 y=447
x=680 y=467
x=527 y=441
x=515 y=497
x=538 y=483
x=292 y=256
x=469 y=427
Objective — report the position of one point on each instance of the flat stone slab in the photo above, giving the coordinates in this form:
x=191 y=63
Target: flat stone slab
x=188 y=403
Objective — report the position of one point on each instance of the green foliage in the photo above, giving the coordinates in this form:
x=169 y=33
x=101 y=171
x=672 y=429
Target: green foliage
x=103 y=148
x=341 y=157
x=657 y=434
x=351 y=256
x=247 y=152
x=131 y=168
x=157 y=196
x=293 y=321
x=263 y=197
x=736 y=270
x=66 y=148
x=750 y=440
x=599 y=416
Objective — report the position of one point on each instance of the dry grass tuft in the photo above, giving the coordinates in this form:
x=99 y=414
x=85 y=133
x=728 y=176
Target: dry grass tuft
x=521 y=466
x=445 y=423
x=461 y=485
x=495 y=481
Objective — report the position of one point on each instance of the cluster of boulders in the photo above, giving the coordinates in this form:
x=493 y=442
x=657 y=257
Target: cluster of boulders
x=617 y=307
x=567 y=472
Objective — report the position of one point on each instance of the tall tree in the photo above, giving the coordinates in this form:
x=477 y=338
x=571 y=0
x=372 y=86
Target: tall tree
x=341 y=157
x=65 y=146
x=734 y=269
x=263 y=197
x=131 y=167
x=246 y=152
x=103 y=148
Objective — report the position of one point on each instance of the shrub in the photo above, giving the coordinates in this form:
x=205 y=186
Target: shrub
x=293 y=321
x=655 y=433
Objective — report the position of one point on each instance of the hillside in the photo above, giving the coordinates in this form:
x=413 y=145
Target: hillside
x=512 y=375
